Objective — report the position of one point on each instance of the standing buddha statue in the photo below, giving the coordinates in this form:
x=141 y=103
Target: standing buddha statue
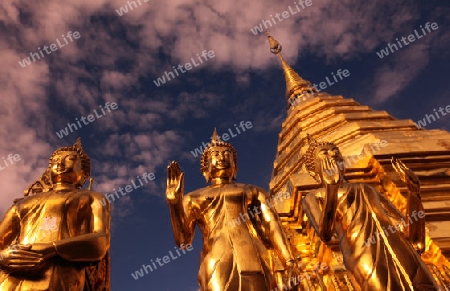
x=239 y=226
x=359 y=216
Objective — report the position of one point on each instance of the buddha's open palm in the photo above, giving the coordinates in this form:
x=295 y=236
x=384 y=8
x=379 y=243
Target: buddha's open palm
x=330 y=172
x=175 y=183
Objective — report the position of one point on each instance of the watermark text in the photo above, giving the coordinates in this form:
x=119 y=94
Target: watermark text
x=225 y=136
x=430 y=117
x=11 y=159
x=165 y=260
x=128 y=188
x=53 y=47
x=90 y=118
x=281 y=16
x=183 y=68
x=411 y=38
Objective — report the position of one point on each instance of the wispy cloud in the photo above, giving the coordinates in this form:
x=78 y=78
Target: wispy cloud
x=115 y=54
x=393 y=76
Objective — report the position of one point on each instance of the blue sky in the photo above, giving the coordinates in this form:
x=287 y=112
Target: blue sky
x=116 y=59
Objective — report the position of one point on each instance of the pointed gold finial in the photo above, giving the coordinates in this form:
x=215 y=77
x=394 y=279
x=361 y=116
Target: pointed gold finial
x=275 y=46
x=296 y=86
x=215 y=137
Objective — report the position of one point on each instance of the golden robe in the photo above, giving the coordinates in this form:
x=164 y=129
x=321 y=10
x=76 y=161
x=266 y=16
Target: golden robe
x=376 y=258
x=80 y=227
x=236 y=238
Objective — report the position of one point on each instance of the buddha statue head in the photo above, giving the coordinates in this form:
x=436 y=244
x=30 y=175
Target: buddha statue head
x=219 y=160
x=68 y=166
x=321 y=156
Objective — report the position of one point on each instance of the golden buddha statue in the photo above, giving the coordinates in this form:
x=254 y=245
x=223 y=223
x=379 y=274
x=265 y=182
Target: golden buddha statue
x=57 y=237
x=360 y=217
x=239 y=227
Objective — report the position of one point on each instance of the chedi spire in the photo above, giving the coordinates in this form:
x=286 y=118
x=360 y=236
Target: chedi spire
x=296 y=86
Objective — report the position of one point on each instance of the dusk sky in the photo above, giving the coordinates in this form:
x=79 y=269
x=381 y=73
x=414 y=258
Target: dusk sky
x=85 y=53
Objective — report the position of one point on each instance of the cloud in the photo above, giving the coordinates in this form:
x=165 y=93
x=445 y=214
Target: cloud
x=21 y=100
x=116 y=53
x=401 y=67
x=396 y=74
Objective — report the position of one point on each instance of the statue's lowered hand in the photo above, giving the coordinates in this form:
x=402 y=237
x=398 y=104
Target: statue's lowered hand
x=19 y=258
x=175 y=183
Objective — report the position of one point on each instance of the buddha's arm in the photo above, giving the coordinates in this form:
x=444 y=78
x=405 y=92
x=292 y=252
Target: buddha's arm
x=328 y=216
x=311 y=208
x=9 y=227
x=415 y=228
x=180 y=207
x=183 y=222
x=83 y=248
x=272 y=224
x=15 y=257
x=86 y=247
x=415 y=224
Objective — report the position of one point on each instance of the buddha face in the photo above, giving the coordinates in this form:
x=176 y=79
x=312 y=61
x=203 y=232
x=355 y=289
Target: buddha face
x=221 y=163
x=66 y=167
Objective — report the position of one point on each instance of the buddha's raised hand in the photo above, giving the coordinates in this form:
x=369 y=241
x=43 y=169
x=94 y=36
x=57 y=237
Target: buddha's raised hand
x=330 y=172
x=175 y=183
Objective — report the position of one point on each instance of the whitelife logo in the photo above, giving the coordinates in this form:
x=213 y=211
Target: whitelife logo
x=248 y=124
x=394 y=228
x=278 y=198
x=187 y=66
x=53 y=47
x=122 y=10
x=128 y=188
x=165 y=260
x=422 y=123
x=385 y=52
x=306 y=95
x=11 y=158
x=284 y=14
x=90 y=118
